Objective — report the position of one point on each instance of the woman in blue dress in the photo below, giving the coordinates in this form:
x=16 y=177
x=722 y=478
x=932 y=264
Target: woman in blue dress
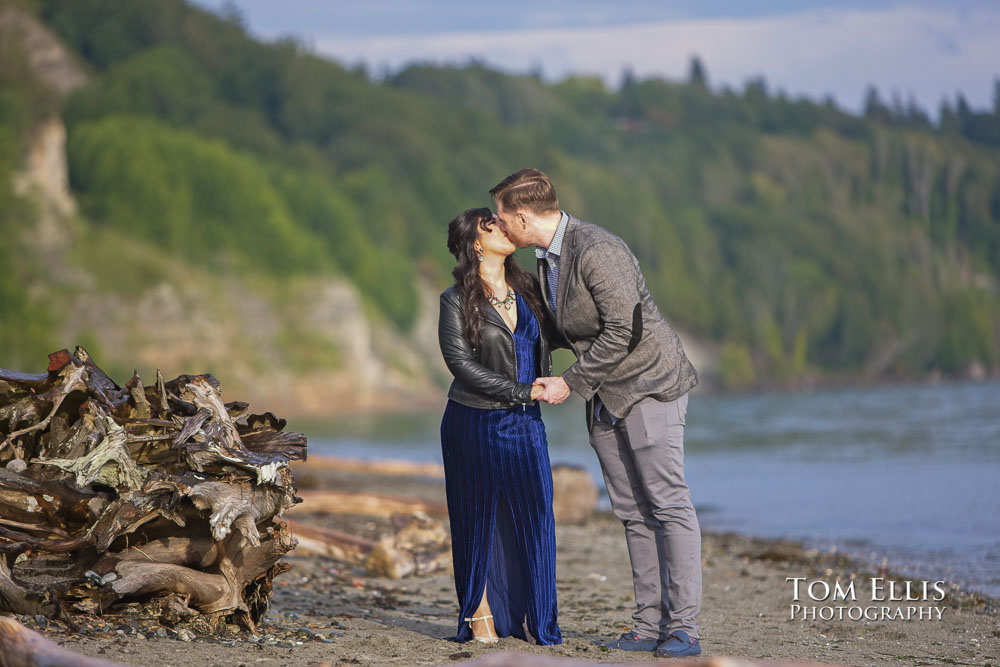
x=492 y=333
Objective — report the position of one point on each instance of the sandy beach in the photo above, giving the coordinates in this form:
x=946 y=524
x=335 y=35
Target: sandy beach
x=326 y=612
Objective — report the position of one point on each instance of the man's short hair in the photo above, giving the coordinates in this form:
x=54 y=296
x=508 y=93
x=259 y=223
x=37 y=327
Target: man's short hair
x=528 y=189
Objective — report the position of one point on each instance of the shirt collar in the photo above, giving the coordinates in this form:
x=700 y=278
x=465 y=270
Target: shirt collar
x=555 y=247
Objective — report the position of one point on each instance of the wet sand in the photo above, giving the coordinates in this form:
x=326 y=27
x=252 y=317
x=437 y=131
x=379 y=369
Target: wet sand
x=327 y=612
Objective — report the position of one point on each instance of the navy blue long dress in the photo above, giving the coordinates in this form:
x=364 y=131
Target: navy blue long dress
x=499 y=487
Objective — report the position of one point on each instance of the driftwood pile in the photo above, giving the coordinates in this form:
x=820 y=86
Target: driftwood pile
x=159 y=494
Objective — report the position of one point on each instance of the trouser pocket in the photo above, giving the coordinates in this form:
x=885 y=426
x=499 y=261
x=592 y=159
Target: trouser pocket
x=652 y=422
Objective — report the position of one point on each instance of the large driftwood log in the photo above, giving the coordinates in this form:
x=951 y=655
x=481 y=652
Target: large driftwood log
x=379 y=467
x=365 y=504
x=148 y=493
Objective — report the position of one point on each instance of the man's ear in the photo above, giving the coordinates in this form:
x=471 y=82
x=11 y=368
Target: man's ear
x=523 y=219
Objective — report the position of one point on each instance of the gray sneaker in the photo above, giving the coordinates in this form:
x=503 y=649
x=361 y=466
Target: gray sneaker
x=679 y=645
x=630 y=641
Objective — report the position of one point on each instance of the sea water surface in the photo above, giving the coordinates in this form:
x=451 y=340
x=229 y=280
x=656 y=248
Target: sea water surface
x=907 y=474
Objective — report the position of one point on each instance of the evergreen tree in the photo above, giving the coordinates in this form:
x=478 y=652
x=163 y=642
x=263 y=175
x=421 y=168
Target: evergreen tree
x=875 y=108
x=696 y=73
x=947 y=118
x=915 y=116
x=963 y=110
x=628 y=79
x=756 y=89
x=897 y=110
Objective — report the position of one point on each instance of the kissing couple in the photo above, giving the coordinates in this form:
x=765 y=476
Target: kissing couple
x=497 y=327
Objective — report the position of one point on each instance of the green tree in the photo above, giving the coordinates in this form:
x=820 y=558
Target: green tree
x=696 y=73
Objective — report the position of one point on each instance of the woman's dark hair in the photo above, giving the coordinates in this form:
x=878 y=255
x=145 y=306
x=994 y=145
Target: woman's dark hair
x=463 y=232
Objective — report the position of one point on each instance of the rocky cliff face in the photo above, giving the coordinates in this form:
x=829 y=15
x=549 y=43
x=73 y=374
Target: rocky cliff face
x=48 y=57
x=303 y=348
x=45 y=175
x=45 y=179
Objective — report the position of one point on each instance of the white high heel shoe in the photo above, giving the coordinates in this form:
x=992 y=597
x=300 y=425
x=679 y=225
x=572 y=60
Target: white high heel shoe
x=489 y=638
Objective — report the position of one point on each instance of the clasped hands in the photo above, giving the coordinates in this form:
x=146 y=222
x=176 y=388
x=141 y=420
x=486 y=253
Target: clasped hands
x=553 y=390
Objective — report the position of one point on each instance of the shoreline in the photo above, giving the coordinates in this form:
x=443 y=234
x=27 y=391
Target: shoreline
x=326 y=612
x=811 y=385
x=346 y=404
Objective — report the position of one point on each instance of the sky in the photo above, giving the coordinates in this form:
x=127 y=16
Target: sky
x=914 y=48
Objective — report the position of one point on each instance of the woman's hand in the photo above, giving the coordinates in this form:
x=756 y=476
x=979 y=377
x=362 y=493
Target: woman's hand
x=536 y=391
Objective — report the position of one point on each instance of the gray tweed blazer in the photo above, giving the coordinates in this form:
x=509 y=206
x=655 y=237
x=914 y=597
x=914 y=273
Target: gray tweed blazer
x=625 y=350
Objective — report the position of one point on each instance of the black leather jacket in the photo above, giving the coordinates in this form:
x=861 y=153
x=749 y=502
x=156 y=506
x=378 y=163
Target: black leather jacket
x=486 y=376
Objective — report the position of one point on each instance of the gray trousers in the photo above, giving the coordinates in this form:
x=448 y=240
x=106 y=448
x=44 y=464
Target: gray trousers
x=642 y=457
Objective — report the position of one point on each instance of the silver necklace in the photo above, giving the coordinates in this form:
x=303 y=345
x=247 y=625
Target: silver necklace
x=506 y=303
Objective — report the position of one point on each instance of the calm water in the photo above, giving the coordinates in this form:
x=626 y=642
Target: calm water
x=911 y=474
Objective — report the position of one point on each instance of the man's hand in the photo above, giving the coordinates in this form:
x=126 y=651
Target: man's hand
x=555 y=390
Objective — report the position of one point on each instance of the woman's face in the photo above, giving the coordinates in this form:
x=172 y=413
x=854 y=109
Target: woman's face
x=493 y=240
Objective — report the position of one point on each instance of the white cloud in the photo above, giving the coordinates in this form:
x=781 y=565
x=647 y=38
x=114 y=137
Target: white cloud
x=925 y=52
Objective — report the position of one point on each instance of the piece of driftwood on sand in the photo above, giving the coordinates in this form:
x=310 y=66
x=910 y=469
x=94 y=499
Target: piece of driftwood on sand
x=162 y=494
x=365 y=504
x=388 y=467
x=21 y=647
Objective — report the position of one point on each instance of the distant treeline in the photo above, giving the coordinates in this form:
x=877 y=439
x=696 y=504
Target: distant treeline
x=801 y=238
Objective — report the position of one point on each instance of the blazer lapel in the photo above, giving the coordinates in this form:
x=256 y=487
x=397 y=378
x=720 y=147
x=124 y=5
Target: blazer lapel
x=566 y=259
x=542 y=267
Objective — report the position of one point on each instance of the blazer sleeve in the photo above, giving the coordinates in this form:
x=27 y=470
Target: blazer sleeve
x=461 y=361
x=609 y=272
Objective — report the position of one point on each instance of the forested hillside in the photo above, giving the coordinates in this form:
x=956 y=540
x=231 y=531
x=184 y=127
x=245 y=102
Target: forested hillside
x=797 y=239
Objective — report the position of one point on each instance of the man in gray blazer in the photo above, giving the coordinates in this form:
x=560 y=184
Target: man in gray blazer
x=634 y=375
